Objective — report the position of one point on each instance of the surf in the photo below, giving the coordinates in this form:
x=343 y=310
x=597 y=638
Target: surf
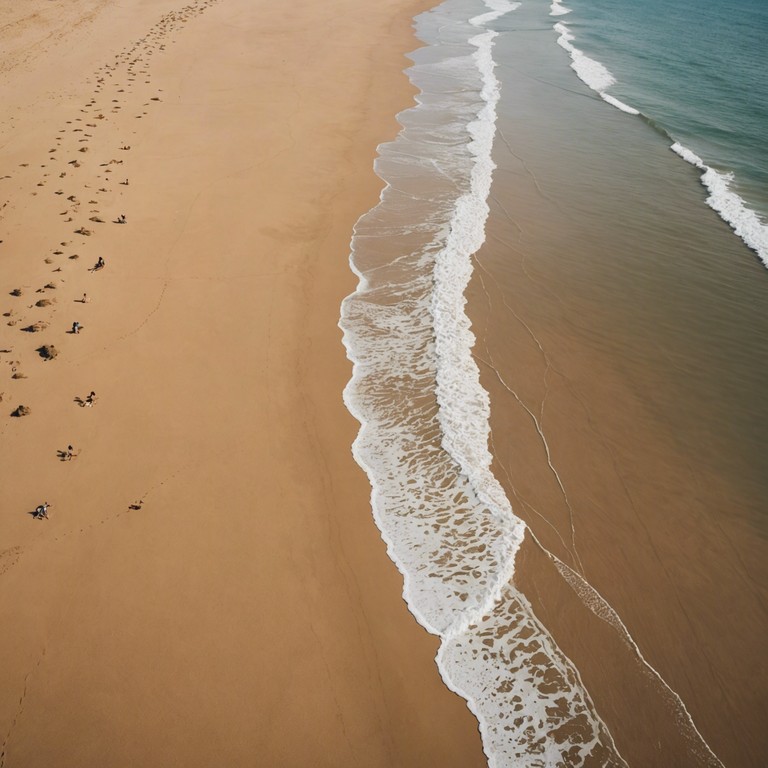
x=424 y=416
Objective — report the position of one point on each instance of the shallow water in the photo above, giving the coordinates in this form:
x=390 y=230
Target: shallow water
x=617 y=325
x=626 y=328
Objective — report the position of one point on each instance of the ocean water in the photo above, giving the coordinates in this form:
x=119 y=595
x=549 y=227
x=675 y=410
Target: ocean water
x=698 y=73
x=611 y=357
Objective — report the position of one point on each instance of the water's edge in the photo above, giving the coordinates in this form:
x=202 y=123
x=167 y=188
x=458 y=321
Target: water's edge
x=424 y=435
x=405 y=331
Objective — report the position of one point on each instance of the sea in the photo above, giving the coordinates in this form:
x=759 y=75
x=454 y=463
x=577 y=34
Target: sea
x=560 y=346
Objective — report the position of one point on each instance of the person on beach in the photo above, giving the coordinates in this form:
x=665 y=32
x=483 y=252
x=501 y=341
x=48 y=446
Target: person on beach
x=100 y=264
x=121 y=219
x=41 y=511
x=85 y=299
x=76 y=327
x=69 y=454
x=90 y=400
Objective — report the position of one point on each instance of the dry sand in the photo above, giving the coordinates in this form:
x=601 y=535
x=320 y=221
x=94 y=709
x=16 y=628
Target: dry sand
x=210 y=588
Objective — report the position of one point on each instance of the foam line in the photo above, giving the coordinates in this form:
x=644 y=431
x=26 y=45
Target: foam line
x=731 y=208
x=614 y=102
x=424 y=416
x=591 y=72
x=601 y=608
x=558 y=9
x=464 y=407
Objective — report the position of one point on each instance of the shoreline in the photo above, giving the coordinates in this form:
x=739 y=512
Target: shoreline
x=622 y=350
x=247 y=606
x=446 y=520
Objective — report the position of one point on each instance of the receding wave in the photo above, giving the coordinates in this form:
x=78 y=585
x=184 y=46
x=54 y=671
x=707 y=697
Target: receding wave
x=424 y=421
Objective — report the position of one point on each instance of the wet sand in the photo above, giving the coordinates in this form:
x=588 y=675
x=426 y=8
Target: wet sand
x=621 y=338
x=210 y=587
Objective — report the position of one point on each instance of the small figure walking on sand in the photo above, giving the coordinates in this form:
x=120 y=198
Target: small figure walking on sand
x=90 y=400
x=76 y=327
x=41 y=511
x=67 y=455
x=85 y=299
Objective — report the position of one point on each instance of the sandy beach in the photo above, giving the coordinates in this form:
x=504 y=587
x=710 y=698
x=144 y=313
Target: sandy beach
x=210 y=587
x=191 y=571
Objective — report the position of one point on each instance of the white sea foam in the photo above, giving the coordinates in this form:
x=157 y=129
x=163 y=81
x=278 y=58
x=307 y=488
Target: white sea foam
x=614 y=102
x=498 y=8
x=558 y=9
x=732 y=209
x=519 y=684
x=592 y=72
x=508 y=708
x=464 y=407
x=424 y=416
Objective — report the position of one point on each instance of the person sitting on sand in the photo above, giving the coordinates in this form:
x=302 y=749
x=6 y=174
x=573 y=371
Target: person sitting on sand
x=69 y=454
x=91 y=399
x=76 y=327
x=100 y=264
x=41 y=511
x=121 y=219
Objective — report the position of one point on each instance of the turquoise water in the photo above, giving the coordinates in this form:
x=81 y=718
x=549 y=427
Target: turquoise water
x=698 y=71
